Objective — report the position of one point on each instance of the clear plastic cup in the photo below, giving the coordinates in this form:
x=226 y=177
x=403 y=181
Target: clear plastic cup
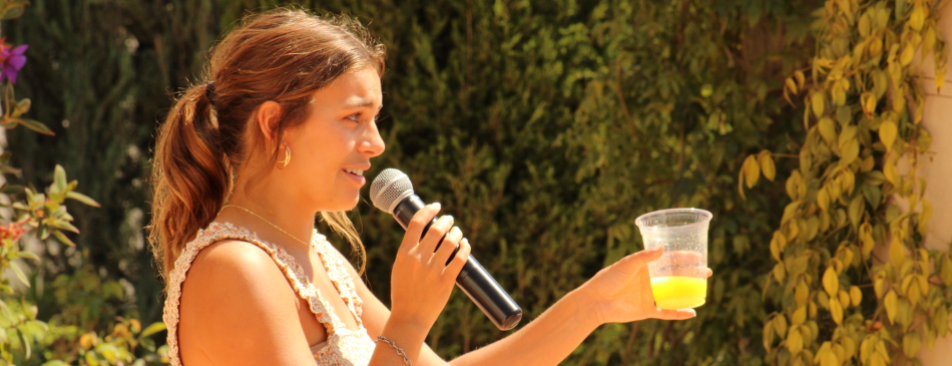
x=679 y=277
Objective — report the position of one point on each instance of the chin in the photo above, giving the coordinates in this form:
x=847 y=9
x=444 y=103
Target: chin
x=344 y=204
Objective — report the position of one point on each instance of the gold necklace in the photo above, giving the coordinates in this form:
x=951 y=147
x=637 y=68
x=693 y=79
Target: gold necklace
x=265 y=220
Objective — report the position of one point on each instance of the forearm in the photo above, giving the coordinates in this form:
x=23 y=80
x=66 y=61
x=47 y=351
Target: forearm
x=546 y=341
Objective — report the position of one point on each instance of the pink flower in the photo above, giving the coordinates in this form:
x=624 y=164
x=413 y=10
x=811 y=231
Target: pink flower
x=11 y=61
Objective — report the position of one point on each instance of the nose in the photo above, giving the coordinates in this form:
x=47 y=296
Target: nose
x=372 y=143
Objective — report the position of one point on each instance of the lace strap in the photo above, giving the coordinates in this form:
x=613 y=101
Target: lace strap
x=334 y=264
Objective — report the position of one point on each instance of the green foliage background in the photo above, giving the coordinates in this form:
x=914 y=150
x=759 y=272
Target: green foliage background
x=545 y=127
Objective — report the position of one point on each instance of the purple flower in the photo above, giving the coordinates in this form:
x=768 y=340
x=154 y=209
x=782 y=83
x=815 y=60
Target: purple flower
x=11 y=61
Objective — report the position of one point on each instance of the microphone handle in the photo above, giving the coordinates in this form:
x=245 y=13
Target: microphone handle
x=474 y=280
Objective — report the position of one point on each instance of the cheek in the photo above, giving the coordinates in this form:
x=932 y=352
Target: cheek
x=326 y=151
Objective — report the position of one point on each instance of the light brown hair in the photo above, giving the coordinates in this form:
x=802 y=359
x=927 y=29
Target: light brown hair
x=283 y=55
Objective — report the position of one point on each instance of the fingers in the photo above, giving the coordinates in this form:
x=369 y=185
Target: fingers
x=434 y=234
x=679 y=314
x=709 y=273
x=632 y=263
x=445 y=250
x=415 y=229
x=459 y=260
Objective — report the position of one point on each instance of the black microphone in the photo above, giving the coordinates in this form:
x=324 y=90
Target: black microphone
x=392 y=192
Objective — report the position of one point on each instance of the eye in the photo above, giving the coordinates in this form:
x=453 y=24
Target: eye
x=354 y=117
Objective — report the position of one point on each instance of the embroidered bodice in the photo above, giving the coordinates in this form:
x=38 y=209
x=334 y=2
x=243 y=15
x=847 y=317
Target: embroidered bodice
x=343 y=347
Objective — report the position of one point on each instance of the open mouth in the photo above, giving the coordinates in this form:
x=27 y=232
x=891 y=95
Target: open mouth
x=355 y=172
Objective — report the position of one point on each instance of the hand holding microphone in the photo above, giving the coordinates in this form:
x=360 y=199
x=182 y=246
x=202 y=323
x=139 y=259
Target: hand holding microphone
x=393 y=193
x=426 y=273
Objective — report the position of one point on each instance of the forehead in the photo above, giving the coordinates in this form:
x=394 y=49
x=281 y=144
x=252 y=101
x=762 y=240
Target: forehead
x=358 y=88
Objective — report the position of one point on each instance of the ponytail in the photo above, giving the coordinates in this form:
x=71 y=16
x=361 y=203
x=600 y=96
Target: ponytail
x=189 y=176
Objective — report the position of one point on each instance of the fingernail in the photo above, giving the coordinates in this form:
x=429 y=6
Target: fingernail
x=693 y=313
x=465 y=241
x=436 y=206
x=456 y=230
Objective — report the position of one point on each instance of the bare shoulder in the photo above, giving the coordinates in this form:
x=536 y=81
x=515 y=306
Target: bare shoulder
x=236 y=303
x=236 y=260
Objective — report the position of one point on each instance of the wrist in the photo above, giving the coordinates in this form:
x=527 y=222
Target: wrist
x=407 y=324
x=584 y=308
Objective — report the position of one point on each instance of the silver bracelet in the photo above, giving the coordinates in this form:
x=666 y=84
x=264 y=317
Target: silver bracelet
x=397 y=348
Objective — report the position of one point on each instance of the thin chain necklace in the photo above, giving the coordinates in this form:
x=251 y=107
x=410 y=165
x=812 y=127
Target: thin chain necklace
x=265 y=220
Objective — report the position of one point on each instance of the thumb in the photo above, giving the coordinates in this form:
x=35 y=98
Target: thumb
x=632 y=263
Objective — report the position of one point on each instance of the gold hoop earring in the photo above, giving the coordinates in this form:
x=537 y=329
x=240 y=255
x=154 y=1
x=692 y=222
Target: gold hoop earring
x=287 y=158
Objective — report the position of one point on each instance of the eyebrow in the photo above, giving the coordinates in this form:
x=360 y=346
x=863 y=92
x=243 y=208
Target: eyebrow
x=361 y=103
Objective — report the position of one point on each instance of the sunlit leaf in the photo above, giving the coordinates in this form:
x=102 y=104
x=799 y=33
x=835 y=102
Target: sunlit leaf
x=19 y=273
x=35 y=126
x=62 y=238
x=856 y=296
x=831 y=282
x=917 y=18
x=818 y=104
x=59 y=179
x=767 y=166
x=751 y=171
x=911 y=343
x=82 y=198
x=891 y=302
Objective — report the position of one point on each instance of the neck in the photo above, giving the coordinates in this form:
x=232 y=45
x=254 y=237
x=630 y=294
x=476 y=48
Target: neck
x=271 y=201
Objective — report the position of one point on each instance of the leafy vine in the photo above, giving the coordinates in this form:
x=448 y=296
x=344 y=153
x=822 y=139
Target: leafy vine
x=864 y=105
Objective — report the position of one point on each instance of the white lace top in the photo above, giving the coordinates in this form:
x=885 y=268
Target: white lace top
x=343 y=347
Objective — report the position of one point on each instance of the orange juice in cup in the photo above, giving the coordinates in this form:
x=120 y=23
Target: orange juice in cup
x=679 y=277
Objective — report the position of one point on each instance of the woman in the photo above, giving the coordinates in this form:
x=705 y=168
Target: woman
x=282 y=129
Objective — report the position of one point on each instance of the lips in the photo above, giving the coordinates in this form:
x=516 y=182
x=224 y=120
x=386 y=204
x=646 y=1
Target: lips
x=357 y=175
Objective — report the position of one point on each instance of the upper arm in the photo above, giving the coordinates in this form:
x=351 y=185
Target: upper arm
x=237 y=308
x=375 y=316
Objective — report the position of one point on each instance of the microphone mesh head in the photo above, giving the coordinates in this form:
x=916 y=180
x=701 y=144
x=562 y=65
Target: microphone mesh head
x=390 y=188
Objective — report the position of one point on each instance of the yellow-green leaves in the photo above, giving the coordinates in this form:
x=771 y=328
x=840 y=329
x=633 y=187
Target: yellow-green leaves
x=780 y=325
x=868 y=102
x=891 y=302
x=826 y=356
x=827 y=130
x=836 y=310
x=866 y=236
x=753 y=166
x=767 y=166
x=924 y=216
x=887 y=133
x=831 y=282
x=794 y=341
x=918 y=17
x=751 y=171
x=799 y=316
x=818 y=104
x=911 y=343
x=777 y=244
x=856 y=296
x=896 y=254
x=945 y=272
x=856 y=209
x=867 y=53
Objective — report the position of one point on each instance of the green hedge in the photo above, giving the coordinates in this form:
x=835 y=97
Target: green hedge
x=545 y=127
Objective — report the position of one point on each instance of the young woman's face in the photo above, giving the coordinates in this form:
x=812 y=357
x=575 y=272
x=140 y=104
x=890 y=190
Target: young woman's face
x=332 y=149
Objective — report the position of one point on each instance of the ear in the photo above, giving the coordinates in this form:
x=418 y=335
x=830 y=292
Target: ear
x=269 y=117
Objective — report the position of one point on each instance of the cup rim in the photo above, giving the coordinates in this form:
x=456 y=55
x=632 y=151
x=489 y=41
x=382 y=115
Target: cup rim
x=707 y=217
